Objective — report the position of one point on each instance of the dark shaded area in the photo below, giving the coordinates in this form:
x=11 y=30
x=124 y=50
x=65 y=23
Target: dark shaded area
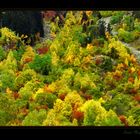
x=24 y=22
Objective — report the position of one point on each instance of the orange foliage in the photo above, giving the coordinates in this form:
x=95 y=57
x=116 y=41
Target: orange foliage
x=138 y=73
x=131 y=79
x=137 y=97
x=41 y=107
x=117 y=75
x=16 y=95
x=77 y=115
x=27 y=60
x=46 y=89
x=25 y=111
x=123 y=120
x=133 y=59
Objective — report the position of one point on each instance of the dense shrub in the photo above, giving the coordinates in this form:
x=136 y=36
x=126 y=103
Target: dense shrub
x=126 y=36
x=41 y=64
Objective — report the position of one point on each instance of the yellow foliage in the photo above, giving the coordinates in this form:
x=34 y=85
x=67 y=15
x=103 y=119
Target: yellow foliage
x=108 y=36
x=132 y=58
x=52 y=87
x=120 y=66
x=8 y=91
x=137 y=83
x=89 y=47
x=88 y=13
x=120 y=47
x=29 y=54
x=55 y=58
x=133 y=70
x=9 y=35
x=40 y=90
x=101 y=100
x=74 y=98
x=126 y=62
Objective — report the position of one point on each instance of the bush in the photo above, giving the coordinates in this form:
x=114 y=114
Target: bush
x=41 y=64
x=7 y=79
x=106 y=13
x=35 y=118
x=45 y=99
x=134 y=113
x=2 y=53
x=116 y=18
x=8 y=109
x=121 y=104
x=96 y=115
x=125 y=35
x=129 y=22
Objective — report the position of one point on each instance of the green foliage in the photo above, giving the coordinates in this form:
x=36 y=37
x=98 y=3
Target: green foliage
x=110 y=120
x=59 y=115
x=10 y=62
x=19 y=52
x=2 y=53
x=24 y=77
x=45 y=99
x=82 y=80
x=96 y=115
x=125 y=36
x=106 y=13
x=117 y=17
x=135 y=116
x=129 y=22
x=8 y=109
x=137 y=25
x=41 y=64
x=35 y=118
x=28 y=90
x=88 y=77
x=7 y=79
x=107 y=64
x=121 y=104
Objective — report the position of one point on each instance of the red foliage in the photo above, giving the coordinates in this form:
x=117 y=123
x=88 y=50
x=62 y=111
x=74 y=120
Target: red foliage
x=133 y=91
x=98 y=61
x=137 y=97
x=78 y=115
x=88 y=97
x=42 y=50
x=117 y=77
x=123 y=120
x=16 y=95
x=62 y=96
x=48 y=14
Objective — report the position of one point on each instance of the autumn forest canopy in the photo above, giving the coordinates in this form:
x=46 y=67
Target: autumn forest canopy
x=70 y=68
